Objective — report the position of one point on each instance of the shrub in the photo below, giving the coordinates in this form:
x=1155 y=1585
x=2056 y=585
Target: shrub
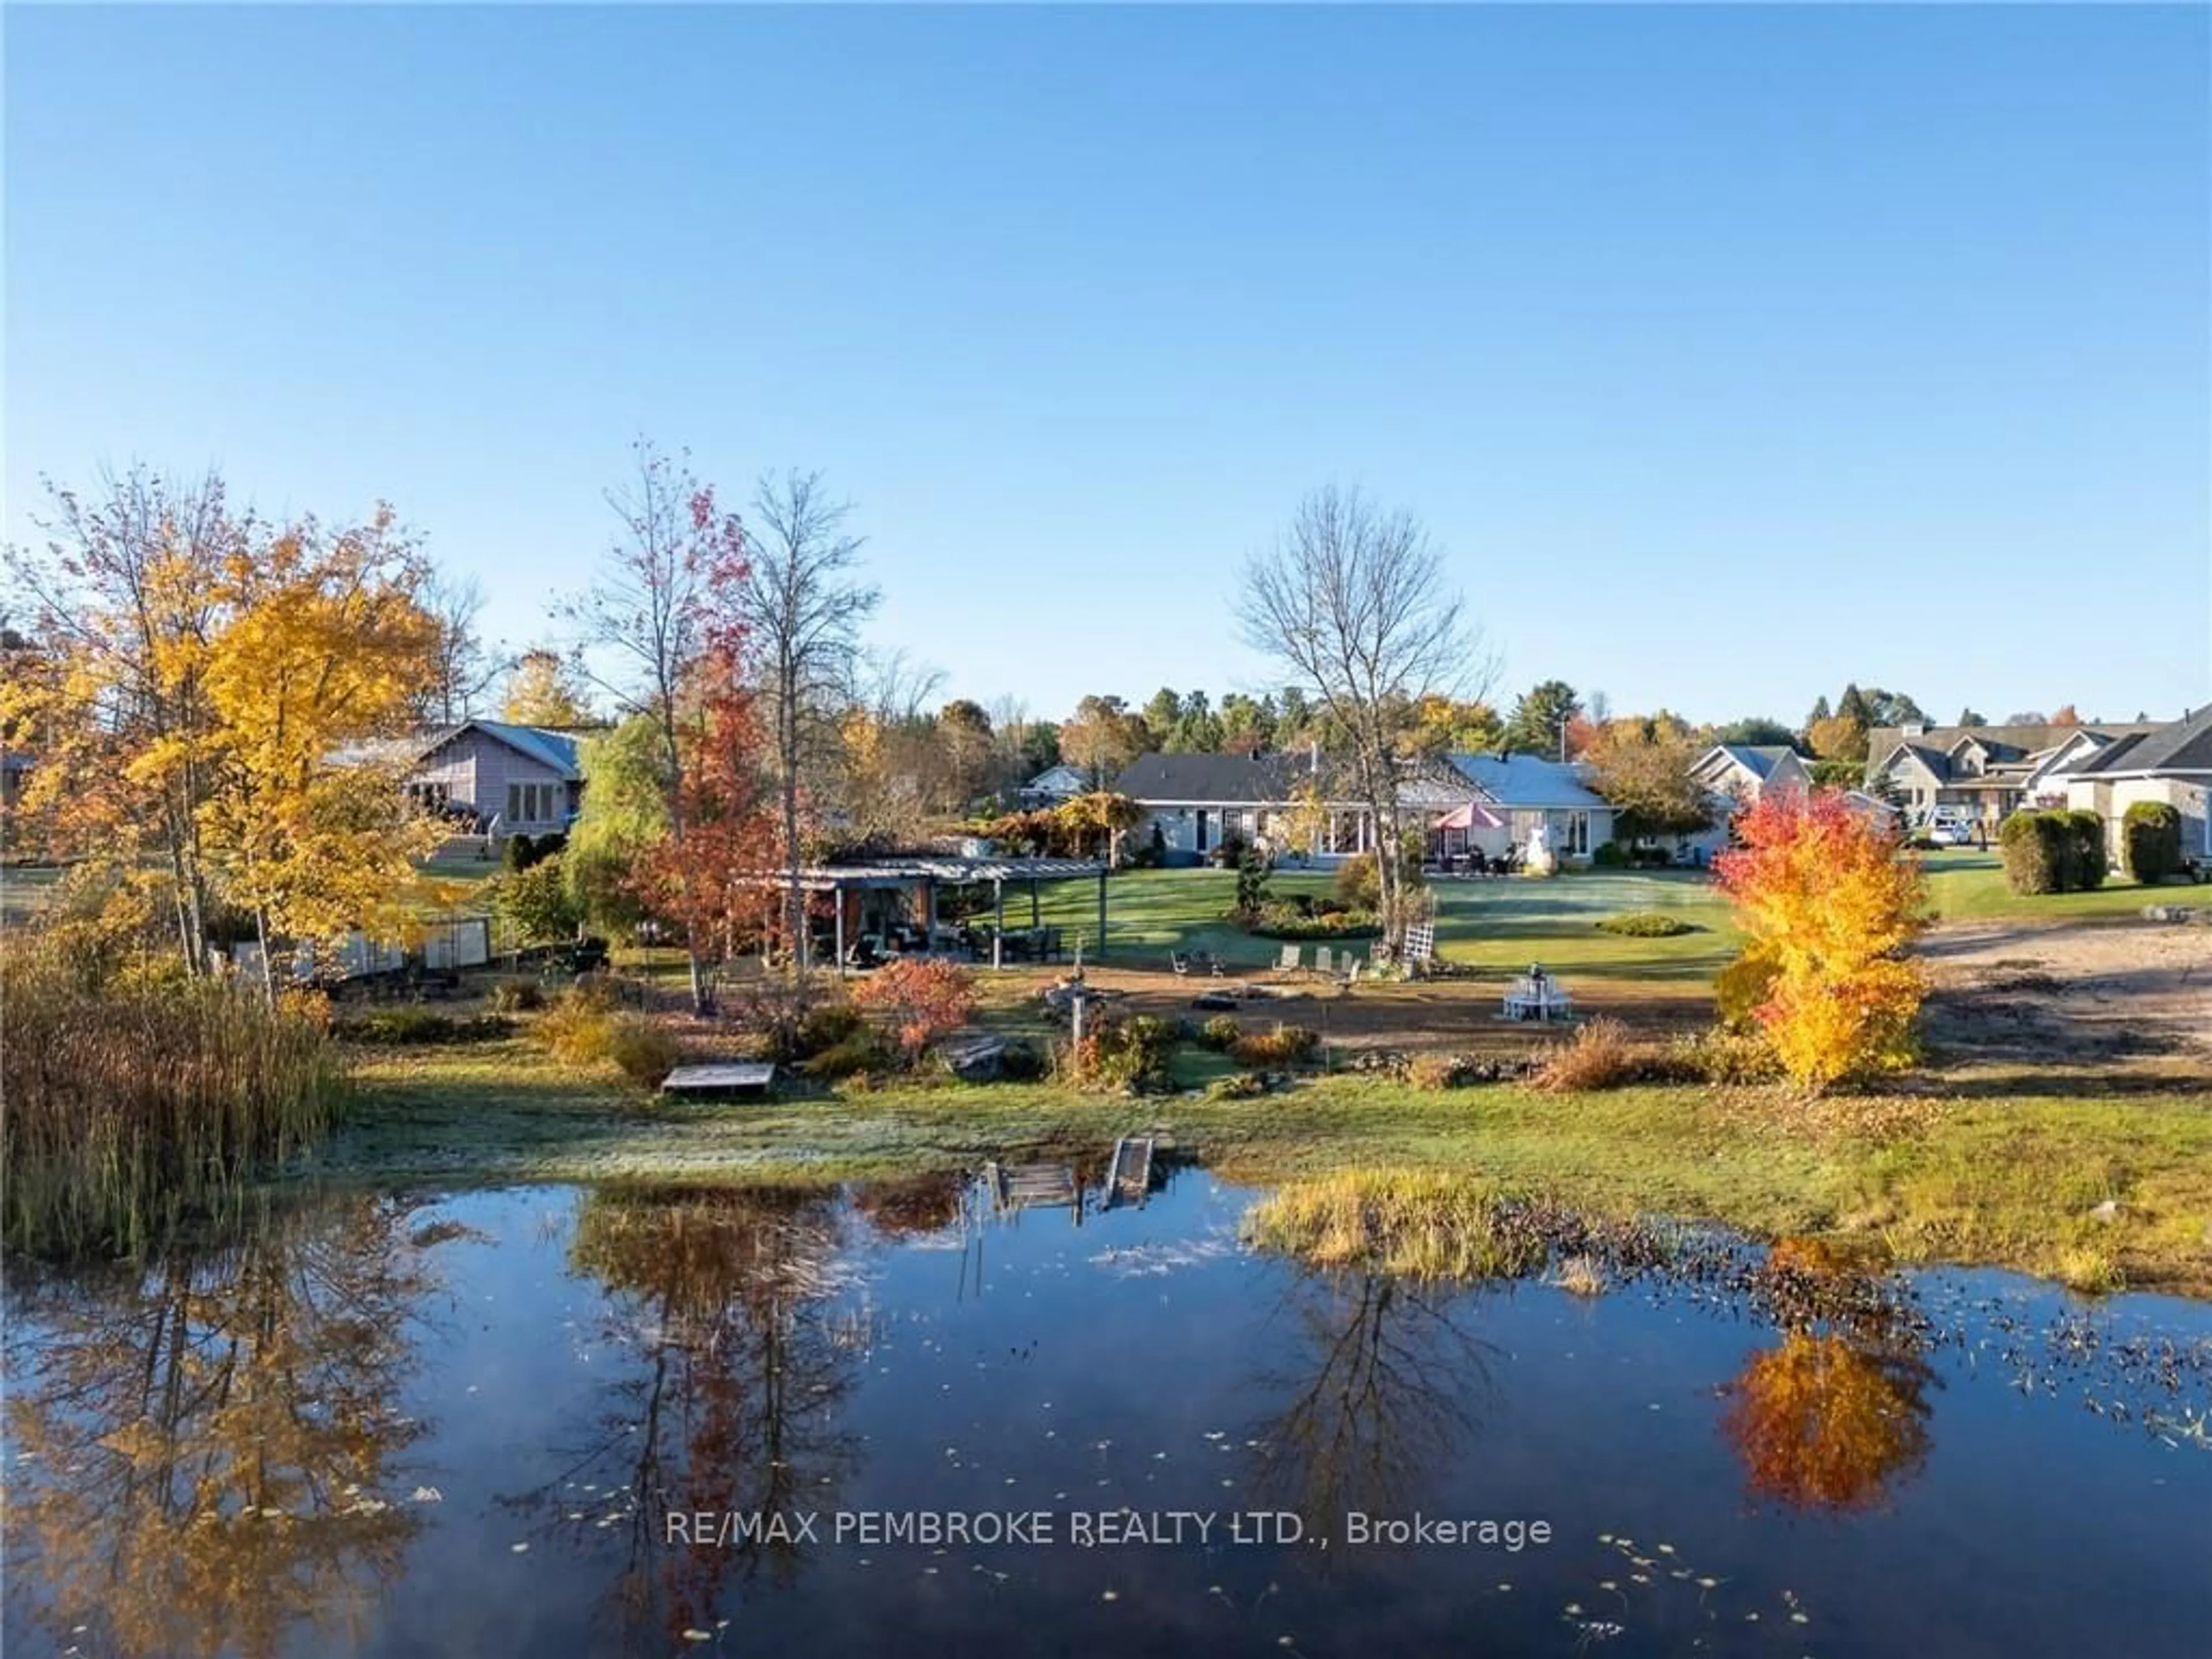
x=535 y=902
x=1251 y=882
x=644 y=1051
x=854 y=1055
x=1286 y=1045
x=1022 y=1062
x=1358 y=884
x=924 y=999
x=2034 y=848
x=1439 y=1071
x=511 y=996
x=410 y=1027
x=579 y=1028
x=1598 y=1056
x=522 y=852
x=1237 y=1086
x=1220 y=1032
x=1646 y=924
x=1121 y=1053
x=2150 y=841
x=1227 y=853
x=1607 y=855
x=2091 y=863
x=1724 y=1056
x=824 y=1027
x=1326 y=921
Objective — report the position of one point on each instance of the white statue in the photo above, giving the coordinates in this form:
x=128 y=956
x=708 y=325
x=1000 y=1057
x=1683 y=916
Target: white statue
x=1538 y=859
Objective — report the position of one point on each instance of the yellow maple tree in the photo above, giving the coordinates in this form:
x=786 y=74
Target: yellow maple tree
x=324 y=646
x=1828 y=904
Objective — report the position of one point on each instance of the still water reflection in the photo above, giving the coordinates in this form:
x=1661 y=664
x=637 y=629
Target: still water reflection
x=490 y=1423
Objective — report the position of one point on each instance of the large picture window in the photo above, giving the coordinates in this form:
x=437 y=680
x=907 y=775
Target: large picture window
x=530 y=803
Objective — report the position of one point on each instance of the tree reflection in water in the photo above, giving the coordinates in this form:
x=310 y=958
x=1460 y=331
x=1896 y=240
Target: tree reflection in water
x=213 y=1442
x=1837 y=1416
x=1381 y=1396
x=730 y=1401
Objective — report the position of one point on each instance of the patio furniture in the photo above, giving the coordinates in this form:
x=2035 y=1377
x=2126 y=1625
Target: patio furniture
x=1324 y=961
x=1351 y=970
x=1537 y=996
x=1180 y=963
x=1287 y=963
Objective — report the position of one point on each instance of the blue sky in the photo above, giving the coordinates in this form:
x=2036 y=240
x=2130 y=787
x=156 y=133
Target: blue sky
x=1730 y=353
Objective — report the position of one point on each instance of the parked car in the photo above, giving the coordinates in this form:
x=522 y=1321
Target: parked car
x=1947 y=835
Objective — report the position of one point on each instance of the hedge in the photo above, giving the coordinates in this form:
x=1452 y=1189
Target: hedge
x=2150 y=841
x=2054 y=852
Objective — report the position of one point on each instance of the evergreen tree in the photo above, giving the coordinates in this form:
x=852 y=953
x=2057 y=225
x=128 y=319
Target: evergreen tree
x=1821 y=711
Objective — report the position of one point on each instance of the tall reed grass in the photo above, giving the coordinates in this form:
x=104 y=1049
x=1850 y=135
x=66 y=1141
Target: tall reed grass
x=131 y=1104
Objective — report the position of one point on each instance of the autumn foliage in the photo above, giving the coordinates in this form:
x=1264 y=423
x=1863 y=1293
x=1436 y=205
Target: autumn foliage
x=923 y=999
x=1828 y=904
x=1821 y=1423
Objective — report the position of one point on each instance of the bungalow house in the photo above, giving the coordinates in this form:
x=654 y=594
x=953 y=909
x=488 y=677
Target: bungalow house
x=1527 y=791
x=1734 y=776
x=1982 y=773
x=2169 y=763
x=518 y=779
x=1051 y=786
x=1196 y=801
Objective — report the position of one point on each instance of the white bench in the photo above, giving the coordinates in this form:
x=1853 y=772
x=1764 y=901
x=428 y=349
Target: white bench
x=1543 y=1000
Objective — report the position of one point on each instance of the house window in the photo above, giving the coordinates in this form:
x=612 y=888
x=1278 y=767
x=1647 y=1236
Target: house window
x=1201 y=829
x=1574 y=842
x=529 y=803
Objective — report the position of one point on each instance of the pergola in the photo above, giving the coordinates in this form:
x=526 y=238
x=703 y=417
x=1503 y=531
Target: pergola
x=929 y=871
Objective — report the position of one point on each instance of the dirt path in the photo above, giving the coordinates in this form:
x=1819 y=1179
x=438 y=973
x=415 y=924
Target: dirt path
x=2071 y=995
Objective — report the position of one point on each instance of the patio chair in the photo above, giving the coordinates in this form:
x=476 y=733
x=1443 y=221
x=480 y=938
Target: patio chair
x=1287 y=963
x=1352 y=965
x=1324 y=961
x=1180 y=963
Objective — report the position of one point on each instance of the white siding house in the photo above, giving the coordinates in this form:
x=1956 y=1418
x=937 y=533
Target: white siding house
x=518 y=780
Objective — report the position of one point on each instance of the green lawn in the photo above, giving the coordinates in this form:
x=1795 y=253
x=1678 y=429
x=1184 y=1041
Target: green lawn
x=2014 y=1181
x=1968 y=886
x=1501 y=925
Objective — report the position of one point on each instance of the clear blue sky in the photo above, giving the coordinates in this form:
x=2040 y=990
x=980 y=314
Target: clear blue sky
x=1731 y=354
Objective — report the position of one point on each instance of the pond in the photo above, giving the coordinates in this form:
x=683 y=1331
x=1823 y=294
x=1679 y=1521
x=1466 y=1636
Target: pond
x=887 y=1421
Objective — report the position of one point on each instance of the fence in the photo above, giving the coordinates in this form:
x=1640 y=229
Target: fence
x=448 y=946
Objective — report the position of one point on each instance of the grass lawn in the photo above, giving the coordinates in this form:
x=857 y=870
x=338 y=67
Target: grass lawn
x=2009 y=1171
x=1502 y=924
x=1970 y=887
x=2011 y=1181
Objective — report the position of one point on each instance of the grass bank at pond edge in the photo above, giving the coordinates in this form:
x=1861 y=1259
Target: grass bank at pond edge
x=2100 y=1193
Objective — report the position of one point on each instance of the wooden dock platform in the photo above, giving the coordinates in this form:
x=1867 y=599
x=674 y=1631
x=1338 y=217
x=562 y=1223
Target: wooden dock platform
x=731 y=1082
x=1129 y=1177
x=1026 y=1186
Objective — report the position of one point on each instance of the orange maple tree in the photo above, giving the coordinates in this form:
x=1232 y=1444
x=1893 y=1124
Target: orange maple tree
x=1822 y=1423
x=1828 y=903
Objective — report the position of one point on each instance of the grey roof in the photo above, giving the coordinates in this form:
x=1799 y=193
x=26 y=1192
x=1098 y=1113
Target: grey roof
x=1528 y=781
x=1759 y=759
x=2003 y=743
x=2182 y=745
x=1230 y=780
x=554 y=749
x=901 y=870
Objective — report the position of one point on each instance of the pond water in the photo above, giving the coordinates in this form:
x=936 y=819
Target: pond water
x=500 y=1423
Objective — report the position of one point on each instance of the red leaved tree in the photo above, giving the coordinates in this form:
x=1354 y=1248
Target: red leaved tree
x=924 y=998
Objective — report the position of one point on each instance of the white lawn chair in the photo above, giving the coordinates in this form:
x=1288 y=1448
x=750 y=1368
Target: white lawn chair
x=1287 y=963
x=1324 y=962
x=1351 y=970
